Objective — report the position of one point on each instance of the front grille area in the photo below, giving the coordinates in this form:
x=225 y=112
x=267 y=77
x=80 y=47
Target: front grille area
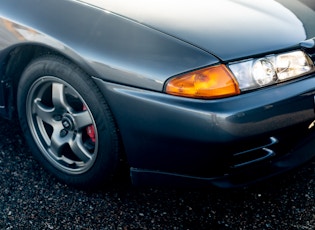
x=310 y=50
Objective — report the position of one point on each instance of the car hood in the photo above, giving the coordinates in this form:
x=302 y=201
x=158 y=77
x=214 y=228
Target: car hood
x=228 y=29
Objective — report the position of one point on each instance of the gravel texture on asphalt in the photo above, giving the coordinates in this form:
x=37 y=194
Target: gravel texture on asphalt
x=33 y=199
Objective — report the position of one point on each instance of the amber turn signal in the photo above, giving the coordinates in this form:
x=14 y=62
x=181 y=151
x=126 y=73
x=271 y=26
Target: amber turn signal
x=207 y=83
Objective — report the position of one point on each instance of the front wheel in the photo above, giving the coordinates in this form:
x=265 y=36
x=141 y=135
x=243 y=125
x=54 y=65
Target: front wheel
x=67 y=122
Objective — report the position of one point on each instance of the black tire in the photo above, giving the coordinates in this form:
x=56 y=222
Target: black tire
x=67 y=123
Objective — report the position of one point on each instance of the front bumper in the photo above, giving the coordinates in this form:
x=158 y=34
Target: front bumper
x=248 y=175
x=214 y=142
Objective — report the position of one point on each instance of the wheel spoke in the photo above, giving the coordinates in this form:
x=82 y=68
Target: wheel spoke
x=43 y=112
x=57 y=143
x=59 y=98
x=79 y=150
x=82 y=119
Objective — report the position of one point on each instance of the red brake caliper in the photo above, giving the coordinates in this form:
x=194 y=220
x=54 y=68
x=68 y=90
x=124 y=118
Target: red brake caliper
x=90 y=129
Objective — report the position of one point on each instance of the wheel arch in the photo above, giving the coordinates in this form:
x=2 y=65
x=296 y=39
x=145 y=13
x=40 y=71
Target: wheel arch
x=14 y=62
x=17 y=59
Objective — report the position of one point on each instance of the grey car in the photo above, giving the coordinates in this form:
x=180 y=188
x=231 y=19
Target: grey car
x=189 y=93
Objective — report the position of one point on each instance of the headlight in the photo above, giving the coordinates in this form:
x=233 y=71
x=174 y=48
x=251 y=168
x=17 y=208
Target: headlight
x=255 y=73
x=220 y=81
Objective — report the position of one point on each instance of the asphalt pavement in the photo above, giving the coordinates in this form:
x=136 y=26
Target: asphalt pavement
x=30 y=198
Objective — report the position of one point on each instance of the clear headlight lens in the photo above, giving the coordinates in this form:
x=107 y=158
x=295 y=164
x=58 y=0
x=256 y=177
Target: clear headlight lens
x=263 y=72
x=255 y=73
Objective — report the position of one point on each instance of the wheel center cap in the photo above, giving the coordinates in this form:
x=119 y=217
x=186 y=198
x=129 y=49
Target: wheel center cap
x=67 y=123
